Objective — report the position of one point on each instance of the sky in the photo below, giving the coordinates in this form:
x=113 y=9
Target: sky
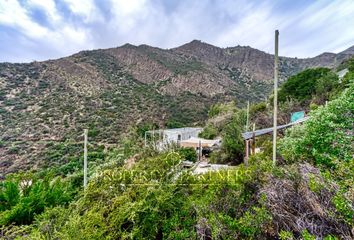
x=47 y=29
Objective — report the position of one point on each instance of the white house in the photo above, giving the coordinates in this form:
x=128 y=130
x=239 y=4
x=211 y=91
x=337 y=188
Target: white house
x=162 y=138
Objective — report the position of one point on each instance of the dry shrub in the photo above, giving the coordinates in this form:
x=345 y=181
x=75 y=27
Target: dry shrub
x=296 y=208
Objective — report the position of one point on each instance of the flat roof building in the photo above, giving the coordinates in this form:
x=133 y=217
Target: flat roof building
x=162 y=138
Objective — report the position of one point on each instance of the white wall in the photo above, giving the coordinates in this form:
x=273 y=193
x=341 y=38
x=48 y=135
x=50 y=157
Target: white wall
x=172 y=136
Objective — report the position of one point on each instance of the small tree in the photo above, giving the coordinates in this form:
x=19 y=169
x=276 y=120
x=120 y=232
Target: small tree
x=232 y=142
x=209 y=132
x=188 y=154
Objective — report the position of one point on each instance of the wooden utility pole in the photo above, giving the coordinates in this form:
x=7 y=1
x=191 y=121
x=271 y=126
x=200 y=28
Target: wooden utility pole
x=85 y=157
x=200 y=151
x=246 y=152
x=248 y=115
x=254 y=139
x=275 y=110
x=153 y=138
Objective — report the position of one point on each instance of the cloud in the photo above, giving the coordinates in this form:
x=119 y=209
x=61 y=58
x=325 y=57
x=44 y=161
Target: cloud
x=85 y=9
x=12 y=14
x=48 y=7
x=61 y=38
x=38 y=30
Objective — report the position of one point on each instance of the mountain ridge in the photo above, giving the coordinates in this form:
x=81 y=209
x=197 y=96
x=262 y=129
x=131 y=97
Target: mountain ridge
x=110 y=90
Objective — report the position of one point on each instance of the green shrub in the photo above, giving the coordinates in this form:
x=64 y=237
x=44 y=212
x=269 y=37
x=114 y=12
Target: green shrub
x=22 y=199
x=232 y=142
x=258 y=107
x=142 y=128
x=188 y=154
x=9 y=195
x=286 y=235
x=325 y=137
x=220 y=108
x=326 y=84
x=251 y=222
x=313 y=106
x=209 y=132
x=302 y=85
x=174 y=124
x=307 y=236
x=344 y=207
x=163 y=206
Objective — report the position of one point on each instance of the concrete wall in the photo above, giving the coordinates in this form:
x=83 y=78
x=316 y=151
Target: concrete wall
x=172 y=136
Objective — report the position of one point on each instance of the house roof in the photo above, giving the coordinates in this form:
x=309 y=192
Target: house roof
x=195 y=142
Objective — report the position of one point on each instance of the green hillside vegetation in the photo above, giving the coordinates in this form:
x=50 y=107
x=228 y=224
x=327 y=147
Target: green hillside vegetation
x=316 y=85
x=110 y=90
x=307 y=195
x=44 y=120
x=304 y=91
x=303 y=85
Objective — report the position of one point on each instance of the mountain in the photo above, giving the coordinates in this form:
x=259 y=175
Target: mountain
x=348 y=51
x=44 y=106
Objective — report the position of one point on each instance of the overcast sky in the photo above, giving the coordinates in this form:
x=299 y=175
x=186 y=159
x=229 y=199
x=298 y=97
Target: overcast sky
x=46 y=29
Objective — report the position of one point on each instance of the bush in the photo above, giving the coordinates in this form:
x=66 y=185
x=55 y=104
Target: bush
x=326 y=136
x=160 y=208
x=142 y=128
x=258 y=107
x=232 y=142
x=326 y=84
x=174 y=124
x=13 y=150
x=303 y=85
x=209 y=132
x=188 y=154
x=220 y=108
x=22 y=199
x=313 y=106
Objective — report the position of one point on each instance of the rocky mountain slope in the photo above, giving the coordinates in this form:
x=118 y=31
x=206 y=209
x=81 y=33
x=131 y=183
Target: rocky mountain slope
x=46 y=105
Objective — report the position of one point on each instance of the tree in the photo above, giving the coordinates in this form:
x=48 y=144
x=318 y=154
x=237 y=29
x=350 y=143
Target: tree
x=302 y=85
x=232 y=142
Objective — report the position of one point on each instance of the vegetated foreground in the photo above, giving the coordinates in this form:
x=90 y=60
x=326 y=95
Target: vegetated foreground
x=309 y=194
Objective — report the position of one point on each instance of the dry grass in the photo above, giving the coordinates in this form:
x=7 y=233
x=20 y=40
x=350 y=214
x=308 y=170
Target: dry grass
x=295 y=207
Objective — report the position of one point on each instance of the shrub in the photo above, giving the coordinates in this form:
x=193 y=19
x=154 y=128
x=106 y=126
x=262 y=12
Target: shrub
x=142 y=128
x=302 y=85
x=286 y=235
x=258 y=107
x=326 y=84
x=222 y=205
x=219 y=108
x=209 y=132
x=313 y=106
x=188 y=154
x=174 y=124
x=14 y=150
x=326 y=136
x=232 y=143
x=344 y=207
x=24 y=198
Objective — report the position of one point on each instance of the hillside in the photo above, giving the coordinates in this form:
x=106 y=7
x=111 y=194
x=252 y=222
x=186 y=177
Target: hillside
x=138 y=193
x=44 y=106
